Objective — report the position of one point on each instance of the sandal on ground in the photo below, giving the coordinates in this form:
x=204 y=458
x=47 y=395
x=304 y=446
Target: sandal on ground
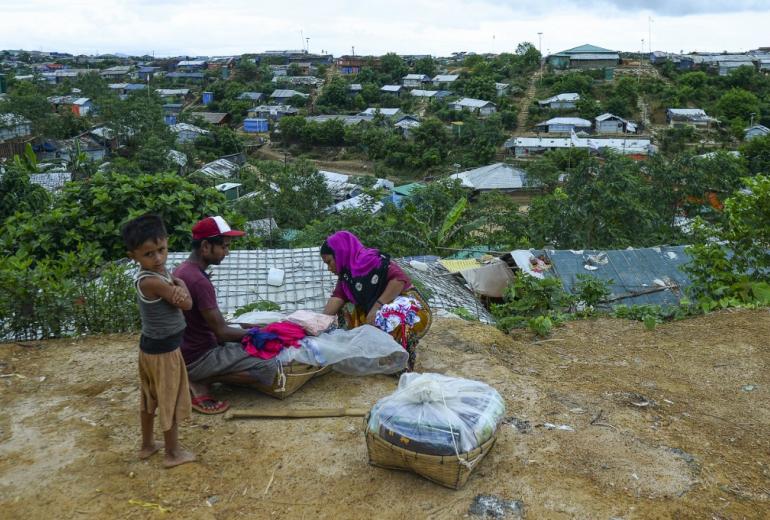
x=198 y=405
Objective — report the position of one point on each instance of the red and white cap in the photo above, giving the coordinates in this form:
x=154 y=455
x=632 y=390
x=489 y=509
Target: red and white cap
x=213 y=227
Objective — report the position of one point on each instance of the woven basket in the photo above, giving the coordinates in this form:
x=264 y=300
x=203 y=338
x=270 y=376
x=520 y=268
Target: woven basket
x=296 y=374
x=446 y=470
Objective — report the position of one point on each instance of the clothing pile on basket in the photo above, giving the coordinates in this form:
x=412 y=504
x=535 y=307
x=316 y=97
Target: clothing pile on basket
x=313 y=339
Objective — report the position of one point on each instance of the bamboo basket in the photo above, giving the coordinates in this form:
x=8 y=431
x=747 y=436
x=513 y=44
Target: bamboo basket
x=446 y=470
x=294 y=376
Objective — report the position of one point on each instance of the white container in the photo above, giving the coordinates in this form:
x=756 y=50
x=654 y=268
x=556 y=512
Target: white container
x=275 y=277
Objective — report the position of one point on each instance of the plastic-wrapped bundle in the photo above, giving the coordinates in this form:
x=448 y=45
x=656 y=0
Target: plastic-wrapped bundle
x=361 y=351
x=438 y=415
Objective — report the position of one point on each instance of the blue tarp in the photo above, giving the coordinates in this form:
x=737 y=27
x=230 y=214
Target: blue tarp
x=636 y=273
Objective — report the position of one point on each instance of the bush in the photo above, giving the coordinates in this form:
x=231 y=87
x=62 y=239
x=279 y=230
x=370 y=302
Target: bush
x=70 y=295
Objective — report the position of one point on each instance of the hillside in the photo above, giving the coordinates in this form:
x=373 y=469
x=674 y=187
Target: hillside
x=667 y=423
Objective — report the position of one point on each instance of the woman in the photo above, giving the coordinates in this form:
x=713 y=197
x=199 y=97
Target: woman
x=381 y=293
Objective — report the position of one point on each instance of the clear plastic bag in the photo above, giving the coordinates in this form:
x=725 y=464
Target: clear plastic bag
x=438 y=415
x=362 y=351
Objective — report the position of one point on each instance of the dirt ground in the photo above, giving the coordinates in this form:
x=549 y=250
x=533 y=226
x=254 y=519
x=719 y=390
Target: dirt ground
x=669 y=423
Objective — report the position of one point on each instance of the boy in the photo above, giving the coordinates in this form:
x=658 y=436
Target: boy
x=161 y=298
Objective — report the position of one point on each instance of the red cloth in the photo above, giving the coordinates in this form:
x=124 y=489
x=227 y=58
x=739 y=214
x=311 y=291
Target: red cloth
x=288 y=334
x=394 y=273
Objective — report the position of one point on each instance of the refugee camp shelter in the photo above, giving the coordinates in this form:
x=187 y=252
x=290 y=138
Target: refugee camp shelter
x=650 y=275
x=307 y=284
x=494 y=177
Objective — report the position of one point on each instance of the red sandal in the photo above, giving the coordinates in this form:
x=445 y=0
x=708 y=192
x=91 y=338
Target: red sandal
x=197 y=405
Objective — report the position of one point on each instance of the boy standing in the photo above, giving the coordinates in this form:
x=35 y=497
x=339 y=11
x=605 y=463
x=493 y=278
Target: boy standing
x=161 y=298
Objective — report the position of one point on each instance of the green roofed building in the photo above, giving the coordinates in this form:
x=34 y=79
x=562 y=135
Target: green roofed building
x=584 y=57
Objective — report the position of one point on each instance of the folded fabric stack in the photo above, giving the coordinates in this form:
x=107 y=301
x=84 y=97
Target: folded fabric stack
x=438 y=415
x=268 y=341
x=314 y=323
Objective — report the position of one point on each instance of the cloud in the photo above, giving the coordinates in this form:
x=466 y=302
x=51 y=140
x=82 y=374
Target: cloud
x=687 y=7
x=438 y=27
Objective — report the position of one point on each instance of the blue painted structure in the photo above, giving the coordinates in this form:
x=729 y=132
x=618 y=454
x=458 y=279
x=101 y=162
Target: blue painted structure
x=169 y=119
x=633 y=272
x=208 y=97
x=255 y=125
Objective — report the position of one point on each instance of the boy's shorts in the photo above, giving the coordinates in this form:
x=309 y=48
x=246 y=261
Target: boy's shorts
x=164 y=387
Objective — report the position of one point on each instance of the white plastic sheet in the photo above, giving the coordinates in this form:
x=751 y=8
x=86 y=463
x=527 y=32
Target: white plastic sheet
x=438 y=415
x=364 y=350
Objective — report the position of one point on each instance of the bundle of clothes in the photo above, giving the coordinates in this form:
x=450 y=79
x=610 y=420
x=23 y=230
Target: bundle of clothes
x=312 y=338
x=438 y=415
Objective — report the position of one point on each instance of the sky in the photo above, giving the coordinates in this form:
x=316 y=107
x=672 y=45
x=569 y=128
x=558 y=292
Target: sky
x=436 y=27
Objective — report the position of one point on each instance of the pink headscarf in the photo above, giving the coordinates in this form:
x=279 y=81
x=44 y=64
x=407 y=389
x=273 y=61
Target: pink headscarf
x=350 y=254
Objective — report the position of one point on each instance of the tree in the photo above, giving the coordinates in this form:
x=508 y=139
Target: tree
x=152 y=155
x=335 y=94
x=737 y=103
x=757 y=154
x=481 y=87
x=91 y=213
x=589 y=108
x=246 y=70
x=426 y=65
x=730 y=261
x=293 y=194
x=602 y=205
x=18 y=194
x=529 y=56
x=394 y=67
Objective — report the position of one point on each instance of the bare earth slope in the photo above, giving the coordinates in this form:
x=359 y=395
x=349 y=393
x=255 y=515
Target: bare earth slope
x=670 y=423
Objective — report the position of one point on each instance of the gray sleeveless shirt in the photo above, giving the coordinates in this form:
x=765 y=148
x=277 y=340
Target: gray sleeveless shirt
x=160 y=319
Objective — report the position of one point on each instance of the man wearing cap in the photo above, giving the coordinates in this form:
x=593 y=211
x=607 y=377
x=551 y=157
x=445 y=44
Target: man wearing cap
x=211 y=347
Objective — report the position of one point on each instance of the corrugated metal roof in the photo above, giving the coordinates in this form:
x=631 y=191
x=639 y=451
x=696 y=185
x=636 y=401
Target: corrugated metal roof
x=444 y=291
x=445 y=78
x=384 y=111
x=391 y=88
x=420 y=77
x=287 y=93
x=187 y=127
x=473 y=103
x=221 y=168
x=211 y=117
x=407 y=189
x=619 y=145
x=9 y=120
x=587 y=48
x=357 y=202
x=640 y=276
x=594 y=56
x=567 y=96
x=574 y=121
x=455 y=266
x=498 y=176
x=253 y=96
x=172 y=91
x=424 y=93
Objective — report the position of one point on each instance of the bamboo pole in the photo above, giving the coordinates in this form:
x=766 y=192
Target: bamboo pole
x=251 y=413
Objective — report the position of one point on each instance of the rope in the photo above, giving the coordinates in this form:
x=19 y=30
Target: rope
x=462 y=461
x=281 y=378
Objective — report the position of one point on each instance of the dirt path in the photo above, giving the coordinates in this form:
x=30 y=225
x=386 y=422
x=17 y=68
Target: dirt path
x=670 y=423
x=349 y=167
x=526 y=102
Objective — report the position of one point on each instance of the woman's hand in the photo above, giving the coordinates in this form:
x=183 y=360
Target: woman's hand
x=372 y=316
